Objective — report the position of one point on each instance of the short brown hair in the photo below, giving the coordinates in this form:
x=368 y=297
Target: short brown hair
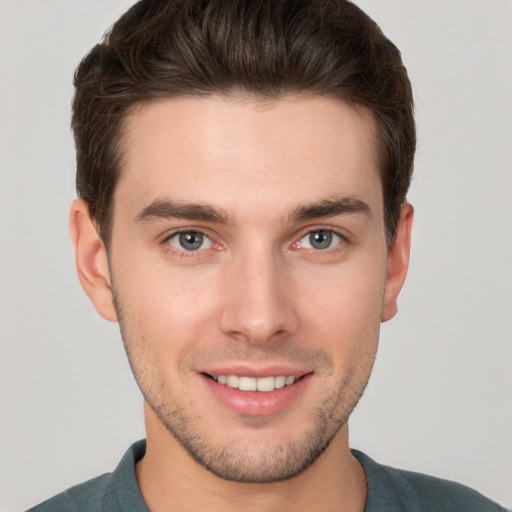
x=267 y=48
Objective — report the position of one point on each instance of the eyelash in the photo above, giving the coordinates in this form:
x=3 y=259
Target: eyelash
x=182 y=252
x=334 y=237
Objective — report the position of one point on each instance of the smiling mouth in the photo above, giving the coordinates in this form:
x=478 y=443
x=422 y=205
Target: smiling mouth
x=244 y=383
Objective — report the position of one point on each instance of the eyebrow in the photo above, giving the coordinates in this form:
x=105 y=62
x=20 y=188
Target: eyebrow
x=331 y=208
x=172 y=209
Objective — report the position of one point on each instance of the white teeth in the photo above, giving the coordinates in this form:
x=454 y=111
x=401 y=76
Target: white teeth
x=263 y=384
x=280 y=382
x=247 y=383
x=232 y=381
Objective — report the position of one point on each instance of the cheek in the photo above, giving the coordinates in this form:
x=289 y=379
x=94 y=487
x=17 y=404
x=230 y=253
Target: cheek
x=343 y=309
x=167 y=308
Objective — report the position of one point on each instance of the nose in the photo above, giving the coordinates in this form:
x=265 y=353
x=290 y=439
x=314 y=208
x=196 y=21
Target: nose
x=258 y=303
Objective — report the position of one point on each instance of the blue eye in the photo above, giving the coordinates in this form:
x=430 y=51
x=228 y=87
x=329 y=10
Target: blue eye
x=320 y=240
x=190 y=241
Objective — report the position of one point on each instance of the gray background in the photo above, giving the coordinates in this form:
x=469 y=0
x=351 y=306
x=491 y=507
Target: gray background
x=440 y=398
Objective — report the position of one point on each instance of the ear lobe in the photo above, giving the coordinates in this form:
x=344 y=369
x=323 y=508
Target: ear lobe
x=398 y=262
x=91 y=260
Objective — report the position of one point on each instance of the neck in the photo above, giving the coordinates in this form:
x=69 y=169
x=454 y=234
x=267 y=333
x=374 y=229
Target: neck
x=171 y=480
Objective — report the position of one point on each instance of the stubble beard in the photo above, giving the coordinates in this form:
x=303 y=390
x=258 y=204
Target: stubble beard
x=245 y=462
x=258 y=462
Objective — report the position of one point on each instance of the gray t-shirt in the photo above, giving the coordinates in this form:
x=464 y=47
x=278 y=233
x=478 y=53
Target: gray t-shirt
x=389 y=490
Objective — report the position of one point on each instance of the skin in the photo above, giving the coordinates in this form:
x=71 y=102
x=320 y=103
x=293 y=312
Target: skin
x=256 y=297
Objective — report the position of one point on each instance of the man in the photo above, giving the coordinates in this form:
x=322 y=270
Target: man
x=242 y=177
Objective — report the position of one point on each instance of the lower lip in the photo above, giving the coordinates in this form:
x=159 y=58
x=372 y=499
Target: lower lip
x=257 y=403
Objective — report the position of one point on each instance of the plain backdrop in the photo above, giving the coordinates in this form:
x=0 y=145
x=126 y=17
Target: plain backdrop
x=439 y=400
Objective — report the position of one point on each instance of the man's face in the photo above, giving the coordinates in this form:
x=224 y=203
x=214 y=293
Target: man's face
x=248 y=252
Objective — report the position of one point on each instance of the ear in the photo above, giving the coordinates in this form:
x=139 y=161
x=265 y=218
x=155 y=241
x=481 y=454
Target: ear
x=91 y=260
x=398 y=262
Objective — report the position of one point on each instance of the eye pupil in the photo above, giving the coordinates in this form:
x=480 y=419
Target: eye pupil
x=320 y=239
x=191 y=240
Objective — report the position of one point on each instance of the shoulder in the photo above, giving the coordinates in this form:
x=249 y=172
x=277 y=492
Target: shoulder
x=418 y=492
x=88 y=496
x=112 y=492
x=440 y=494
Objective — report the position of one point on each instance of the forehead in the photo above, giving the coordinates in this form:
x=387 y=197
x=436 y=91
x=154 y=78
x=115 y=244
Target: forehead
x=238 y=153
